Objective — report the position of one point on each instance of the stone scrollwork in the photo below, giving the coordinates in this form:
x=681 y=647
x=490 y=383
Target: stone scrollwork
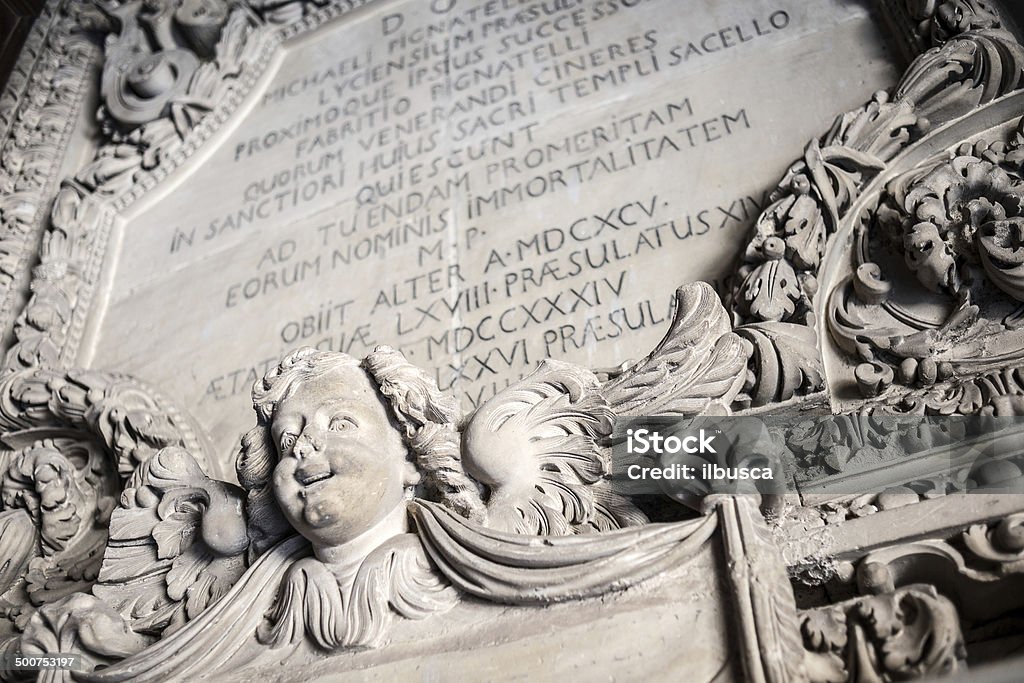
x=956 y=224
x=173 y=71
x=784 y=361
x=168 y=65
x=999 y=545
x=911 y=632
x=964 y=213
x=37 y=115
x=972 y=65
x=969 y=569
x=915 y=598
x=176 y=523
x=286 y=12
x=70 y=440
x=939 y=20
x=366 y=499
x=998 y=393
x=60 y=283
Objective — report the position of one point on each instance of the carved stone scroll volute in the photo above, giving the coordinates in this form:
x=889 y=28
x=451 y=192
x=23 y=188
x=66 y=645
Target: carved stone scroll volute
x=973 y=64
x=71 y=440
x=905 y=634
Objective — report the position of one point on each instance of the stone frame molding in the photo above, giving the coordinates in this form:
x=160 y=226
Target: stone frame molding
x=787 y=332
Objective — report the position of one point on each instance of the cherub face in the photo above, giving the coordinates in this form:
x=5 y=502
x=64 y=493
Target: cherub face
x=342 y=463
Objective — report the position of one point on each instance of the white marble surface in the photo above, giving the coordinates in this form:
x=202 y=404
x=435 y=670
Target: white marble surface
x=647 y=137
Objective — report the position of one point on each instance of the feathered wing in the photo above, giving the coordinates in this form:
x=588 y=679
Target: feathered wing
x=699 y=363
x=177 y=544
x=538 y=447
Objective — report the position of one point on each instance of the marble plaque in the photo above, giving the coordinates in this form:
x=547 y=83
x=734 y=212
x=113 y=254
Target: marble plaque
x=479 y=185
x=777 y=208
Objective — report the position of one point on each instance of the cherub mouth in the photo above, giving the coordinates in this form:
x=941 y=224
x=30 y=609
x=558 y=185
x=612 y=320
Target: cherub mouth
x=308 y=480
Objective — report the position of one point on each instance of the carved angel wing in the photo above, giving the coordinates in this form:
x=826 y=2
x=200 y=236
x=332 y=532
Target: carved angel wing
x=538 y=448
x=177 y=544
x=700 y=363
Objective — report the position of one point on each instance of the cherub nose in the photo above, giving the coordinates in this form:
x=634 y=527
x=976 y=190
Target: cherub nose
x=305 y=446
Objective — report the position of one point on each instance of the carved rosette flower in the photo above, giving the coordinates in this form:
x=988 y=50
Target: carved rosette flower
x=964 y=212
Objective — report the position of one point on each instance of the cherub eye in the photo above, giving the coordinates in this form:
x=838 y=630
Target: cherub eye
x=287 y=442
x=341 y=423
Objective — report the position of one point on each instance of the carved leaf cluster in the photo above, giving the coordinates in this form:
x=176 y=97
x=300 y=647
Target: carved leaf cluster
x=160 y=570
x=908 y=634
x=699 y=362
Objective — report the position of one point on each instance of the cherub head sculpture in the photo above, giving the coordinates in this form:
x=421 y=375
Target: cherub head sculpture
x=341 y=443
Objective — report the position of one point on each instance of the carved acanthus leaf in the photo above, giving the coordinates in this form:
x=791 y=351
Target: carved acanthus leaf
x=44 y=324
x=962 y=212
x=779 y=275
x=910 y=633
x=19 y=545
x=771 y=290
x=700 y=362
x=177 y=544
x=784 y=360
x=970 y=70
x=395 y=578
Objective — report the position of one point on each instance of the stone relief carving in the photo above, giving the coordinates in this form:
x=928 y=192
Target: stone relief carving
x=934 y=587
x=954 y=221
x=173 y=72
x=36 y=116
x=482 y=488
x=70 y=441
x=938 y=21
x=909 y=633
x=364 y=497
x=776 y=286
x=166 y=68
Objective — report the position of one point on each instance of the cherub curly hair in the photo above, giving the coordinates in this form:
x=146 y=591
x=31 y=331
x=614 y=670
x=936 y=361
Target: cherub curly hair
x=426 y=417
